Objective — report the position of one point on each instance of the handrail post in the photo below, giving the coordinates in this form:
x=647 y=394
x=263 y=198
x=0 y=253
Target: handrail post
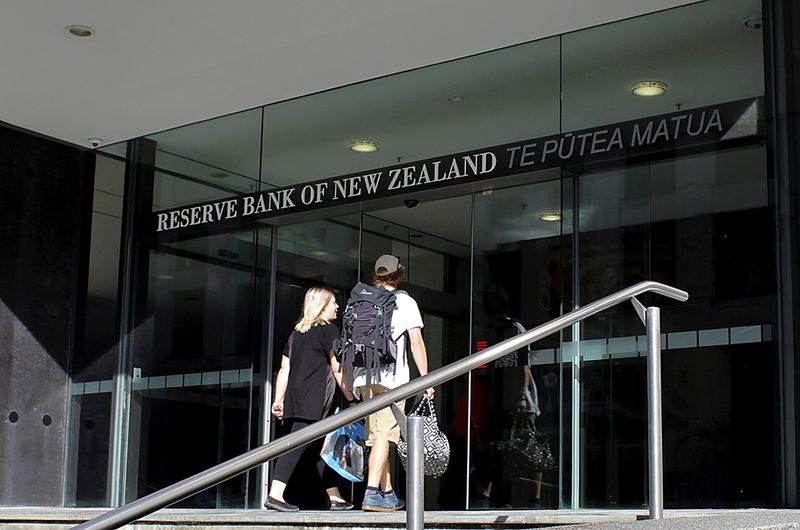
x=415 y=476
x=654 y=435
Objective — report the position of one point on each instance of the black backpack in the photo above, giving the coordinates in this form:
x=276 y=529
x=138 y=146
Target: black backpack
x=366 y=340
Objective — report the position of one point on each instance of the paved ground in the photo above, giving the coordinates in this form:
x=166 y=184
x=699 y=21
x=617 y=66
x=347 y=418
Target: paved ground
x=741 y=520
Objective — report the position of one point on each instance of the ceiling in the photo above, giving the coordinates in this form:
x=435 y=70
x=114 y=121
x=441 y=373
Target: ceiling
x=155 y=65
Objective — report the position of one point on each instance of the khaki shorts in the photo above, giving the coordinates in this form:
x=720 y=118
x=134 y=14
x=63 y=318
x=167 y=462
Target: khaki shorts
x=380 y=425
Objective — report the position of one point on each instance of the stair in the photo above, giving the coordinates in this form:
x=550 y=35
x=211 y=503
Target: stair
x=182 y=519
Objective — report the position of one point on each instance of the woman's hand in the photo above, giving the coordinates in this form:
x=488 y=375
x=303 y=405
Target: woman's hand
x=430 y=392
x=277 y=409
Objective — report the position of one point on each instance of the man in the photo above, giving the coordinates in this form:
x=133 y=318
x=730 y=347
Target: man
x=381 y=427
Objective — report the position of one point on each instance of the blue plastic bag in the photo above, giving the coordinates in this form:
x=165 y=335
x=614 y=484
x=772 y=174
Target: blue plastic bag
x=343 y=451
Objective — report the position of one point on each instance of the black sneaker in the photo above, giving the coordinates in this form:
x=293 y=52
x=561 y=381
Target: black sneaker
x=338 y=506
x=280 y=506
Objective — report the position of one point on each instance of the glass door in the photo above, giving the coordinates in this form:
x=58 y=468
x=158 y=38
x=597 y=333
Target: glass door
x=432 y=240
x=318 y=253
x=194 y=356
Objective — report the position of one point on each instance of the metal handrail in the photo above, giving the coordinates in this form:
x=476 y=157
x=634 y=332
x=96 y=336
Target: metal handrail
x=221 y=472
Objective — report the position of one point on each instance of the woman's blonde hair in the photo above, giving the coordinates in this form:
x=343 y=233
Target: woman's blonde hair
x=317 y=299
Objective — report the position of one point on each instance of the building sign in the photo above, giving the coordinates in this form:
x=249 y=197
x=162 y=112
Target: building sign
x=644 y=137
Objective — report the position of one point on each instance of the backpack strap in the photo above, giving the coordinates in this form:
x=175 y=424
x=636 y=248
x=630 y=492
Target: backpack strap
x=407 y=337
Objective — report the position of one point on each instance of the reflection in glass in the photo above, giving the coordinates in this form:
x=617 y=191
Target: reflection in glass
x=517 y=286
x=415 y=115
x=224 y=150
x=193 y=364
x=209 y=160
x=97 y=347
x=697 y=223
x=601 y=64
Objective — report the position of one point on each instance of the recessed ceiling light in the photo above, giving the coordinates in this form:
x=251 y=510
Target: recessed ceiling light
x=80 y=31
x=319 y=253
x=550 y=217
x=649 y=88
x=364 y=146
x=455 y=98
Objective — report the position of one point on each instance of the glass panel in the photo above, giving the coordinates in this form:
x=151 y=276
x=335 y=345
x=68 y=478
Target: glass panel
x=602 y=63
x=567 y=397
x=711 y=217
x=697 y=223
x=614 y=217
x=194 y=355
x=415 y=115
x=119 y=149
x=208 y=160
x=518 y=251
x=172 y=191
x=694 y=222
x=97 y=346
x=433 y=241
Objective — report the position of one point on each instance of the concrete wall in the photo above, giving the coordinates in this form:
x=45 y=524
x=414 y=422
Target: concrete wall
x=45 y=211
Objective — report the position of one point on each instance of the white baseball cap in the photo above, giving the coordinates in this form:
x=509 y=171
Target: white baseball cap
x=388 y=262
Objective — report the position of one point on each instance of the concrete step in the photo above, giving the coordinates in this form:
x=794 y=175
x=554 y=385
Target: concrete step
x=180 y=519
x=710 y=520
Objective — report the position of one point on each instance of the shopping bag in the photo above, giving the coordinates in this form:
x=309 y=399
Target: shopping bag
x=343 y=451
x=435 y=445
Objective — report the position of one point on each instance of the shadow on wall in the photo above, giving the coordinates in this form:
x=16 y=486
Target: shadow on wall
x=45 y=211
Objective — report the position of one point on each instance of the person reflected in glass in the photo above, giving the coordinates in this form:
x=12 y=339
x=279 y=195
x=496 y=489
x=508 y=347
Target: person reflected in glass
x=475 y=434
x=519 y=396
x=304 y=393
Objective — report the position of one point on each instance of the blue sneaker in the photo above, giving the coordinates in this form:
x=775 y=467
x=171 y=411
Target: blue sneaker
x=396 y=501
x=376 y=502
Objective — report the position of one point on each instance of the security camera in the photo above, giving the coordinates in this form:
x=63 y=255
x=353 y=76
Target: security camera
x=94 y=142
x=753 y=22
x=410 y=203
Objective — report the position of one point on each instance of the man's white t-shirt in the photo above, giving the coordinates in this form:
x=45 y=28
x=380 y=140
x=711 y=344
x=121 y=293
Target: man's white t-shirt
x=406 y=316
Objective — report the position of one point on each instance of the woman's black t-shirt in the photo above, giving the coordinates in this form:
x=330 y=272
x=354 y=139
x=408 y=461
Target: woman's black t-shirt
x=309 y=392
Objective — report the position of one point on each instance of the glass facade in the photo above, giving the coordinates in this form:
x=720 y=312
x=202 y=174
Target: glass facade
x=212 y=307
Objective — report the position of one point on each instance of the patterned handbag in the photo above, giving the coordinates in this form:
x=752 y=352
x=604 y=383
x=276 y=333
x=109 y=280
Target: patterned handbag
x=436 y=447
x=511 y=360
x=527 y=452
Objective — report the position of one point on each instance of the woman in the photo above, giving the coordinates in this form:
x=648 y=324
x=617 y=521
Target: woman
x=304 y=392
